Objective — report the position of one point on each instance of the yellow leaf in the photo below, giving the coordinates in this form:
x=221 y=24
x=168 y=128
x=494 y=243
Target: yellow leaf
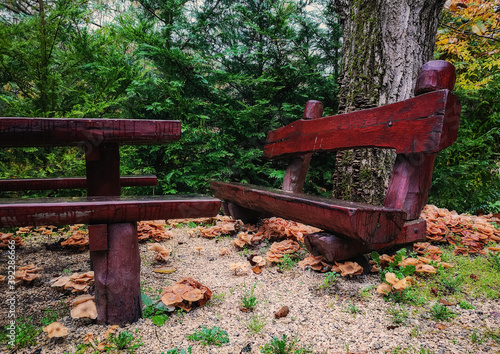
x=476 y=30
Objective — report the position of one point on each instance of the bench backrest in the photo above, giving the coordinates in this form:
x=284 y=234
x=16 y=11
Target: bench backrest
x=416 y=128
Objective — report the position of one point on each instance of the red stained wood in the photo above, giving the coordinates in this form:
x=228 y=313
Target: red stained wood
x=355 y=220
x=117 y=276
x=410 y=183
x=296 y=171
x=102 y=165
x=30 y=132
x=335 y=248
x=97 y=210
x=410 y=126
x=412 y=173
x=98 y=237
x=435 y=75
x=24 y=184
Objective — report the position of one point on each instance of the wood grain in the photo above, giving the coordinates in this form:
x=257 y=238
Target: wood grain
x=355 y=220
x=427 y=123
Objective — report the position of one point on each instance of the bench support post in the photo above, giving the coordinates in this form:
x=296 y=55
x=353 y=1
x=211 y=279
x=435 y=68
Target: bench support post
x=117 y=276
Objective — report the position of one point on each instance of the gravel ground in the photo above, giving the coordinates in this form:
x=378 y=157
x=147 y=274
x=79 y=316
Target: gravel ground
x=349 y=317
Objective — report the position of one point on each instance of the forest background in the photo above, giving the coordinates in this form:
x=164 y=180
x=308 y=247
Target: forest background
x=229 y=71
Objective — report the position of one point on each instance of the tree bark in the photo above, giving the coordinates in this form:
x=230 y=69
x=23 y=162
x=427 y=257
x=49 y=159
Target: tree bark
x=385 y=44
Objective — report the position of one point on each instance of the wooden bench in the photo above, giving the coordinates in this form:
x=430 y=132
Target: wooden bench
x=112 y=219
x=416 y=129
x=39 y=184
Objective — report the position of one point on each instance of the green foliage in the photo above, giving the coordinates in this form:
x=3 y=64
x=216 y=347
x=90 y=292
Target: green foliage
x=179 y=351
x=330 y=279
x=210 y=336
x=351 y=308
x=156 y=310
x=25 y=333
x=442 y=313
x=256 y=323
x=284 y=345
x=465 y=305
x=393 y=267
x=399 y=315
x=249 y=300
x=494 y=259
x=124 y=341
x=288 y=261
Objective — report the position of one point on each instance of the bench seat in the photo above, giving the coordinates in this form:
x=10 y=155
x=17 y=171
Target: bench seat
x=103 y=210
x=359 y=221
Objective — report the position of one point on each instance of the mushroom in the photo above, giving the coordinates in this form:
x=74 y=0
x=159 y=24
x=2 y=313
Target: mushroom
x=349 y=268
x=198 y=248
x=177 y=289
x=56 y=330
x=170 y=299
x=82 y=298
x=162 y=253
x=193 y=295
x=239 y=268
x=425 y=268
x=384 y=289
x=259 y=260
x=60 y=282
x=85 y=309
x=2 y=278
x=224 y=251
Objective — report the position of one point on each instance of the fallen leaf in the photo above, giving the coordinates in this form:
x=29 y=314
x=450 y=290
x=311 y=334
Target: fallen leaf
x=257 y=270
x=446 y=303
x=434 y=291
x=165 y=270
x=440 y=326
x=473 y=276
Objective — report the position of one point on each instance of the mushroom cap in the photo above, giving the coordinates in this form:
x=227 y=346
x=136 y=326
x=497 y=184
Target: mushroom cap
x=85 y=309
x=193 y=295
x=56 y=329
x=391 y=278
x=384 y=289
x=224 y=251
x=177 y=289
x=158 y=248
x=60 y=282
x=350 y=268
x=259 y=260
x=425 y=268
x=82 y=298
x=170 y=299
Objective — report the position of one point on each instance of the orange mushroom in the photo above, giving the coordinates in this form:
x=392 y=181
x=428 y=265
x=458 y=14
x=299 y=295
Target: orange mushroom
x=349 y=269
x=56 y=330
x=85 y=309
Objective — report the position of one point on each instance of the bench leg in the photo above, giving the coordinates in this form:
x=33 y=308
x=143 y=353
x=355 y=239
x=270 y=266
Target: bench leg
x=334 y=248
x=117 y=276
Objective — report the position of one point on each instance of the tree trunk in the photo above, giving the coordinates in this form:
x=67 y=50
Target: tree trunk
x=385 y=44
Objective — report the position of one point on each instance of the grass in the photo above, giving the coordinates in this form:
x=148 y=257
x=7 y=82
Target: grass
x=351 y=308
x=249 y=300
x=329 y=280
x=442 y=313
x=288 y=261
x=256 y=323
x=210 y=336
x=124 y=341
x=284 y=345
x=399 y=315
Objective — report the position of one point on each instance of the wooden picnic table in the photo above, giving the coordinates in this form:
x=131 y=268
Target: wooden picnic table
x=113 y=242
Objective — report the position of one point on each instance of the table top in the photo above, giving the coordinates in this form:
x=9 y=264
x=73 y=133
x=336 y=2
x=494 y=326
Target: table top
x=33 y=132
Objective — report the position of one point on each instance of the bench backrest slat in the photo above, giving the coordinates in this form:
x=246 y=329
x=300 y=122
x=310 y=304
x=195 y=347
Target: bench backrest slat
x=411 y=126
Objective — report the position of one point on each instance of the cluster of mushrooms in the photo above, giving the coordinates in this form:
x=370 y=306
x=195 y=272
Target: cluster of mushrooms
x=76 y=283
x=468 y=233
x=186 y=294
x=153 y=230
x=6 y=240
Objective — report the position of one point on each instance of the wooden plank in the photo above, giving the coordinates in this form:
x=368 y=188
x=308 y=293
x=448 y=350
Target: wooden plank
x=32 y=132
x=103 y=210
x=335 y=248
x=359 y=221
x=25 y=184
x=427 y=123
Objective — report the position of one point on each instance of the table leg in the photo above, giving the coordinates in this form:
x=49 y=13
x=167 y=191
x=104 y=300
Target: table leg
x=117 y=276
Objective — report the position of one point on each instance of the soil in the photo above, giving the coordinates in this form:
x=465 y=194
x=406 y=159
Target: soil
x=347 y=317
